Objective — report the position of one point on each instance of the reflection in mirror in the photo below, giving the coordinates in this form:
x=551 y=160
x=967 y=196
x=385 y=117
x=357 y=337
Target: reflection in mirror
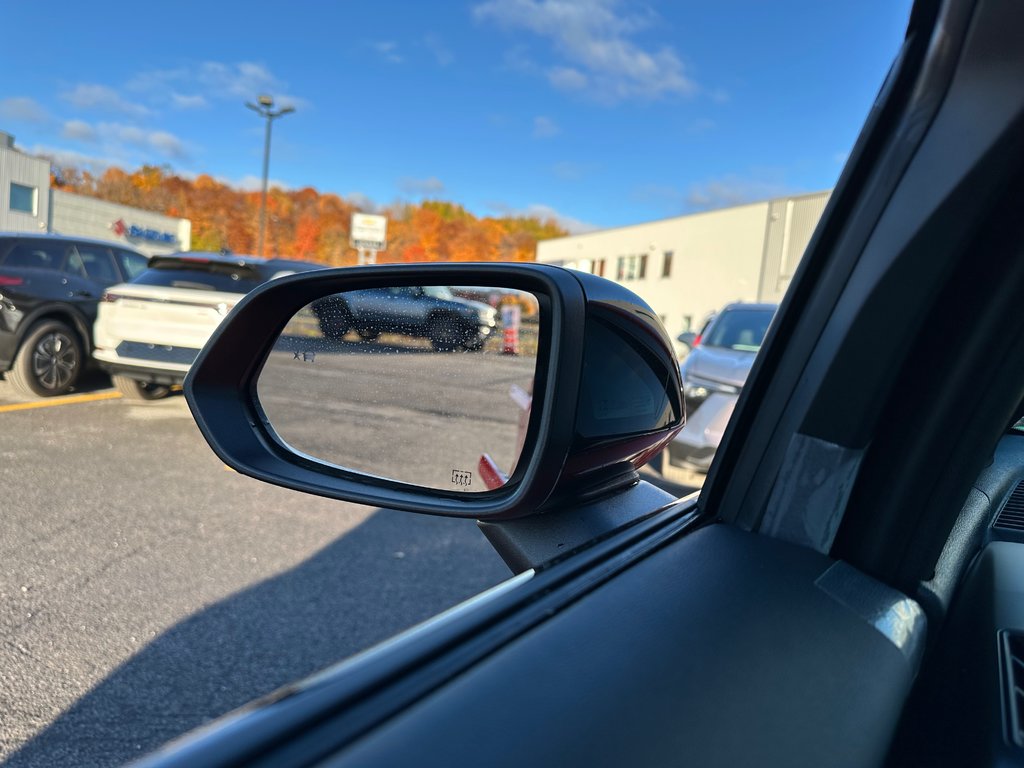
x=427 y=385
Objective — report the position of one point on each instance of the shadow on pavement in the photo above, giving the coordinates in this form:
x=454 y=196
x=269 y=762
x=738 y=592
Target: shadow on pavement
x=387 y=574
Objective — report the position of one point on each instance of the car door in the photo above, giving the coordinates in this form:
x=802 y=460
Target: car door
x=782 y=616
x=90 y=268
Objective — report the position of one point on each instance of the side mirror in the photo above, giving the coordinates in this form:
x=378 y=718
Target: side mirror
x=326 y=382
x=687 y=338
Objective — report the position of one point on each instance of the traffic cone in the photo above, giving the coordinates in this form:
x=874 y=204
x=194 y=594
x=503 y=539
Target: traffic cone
x=510 y=316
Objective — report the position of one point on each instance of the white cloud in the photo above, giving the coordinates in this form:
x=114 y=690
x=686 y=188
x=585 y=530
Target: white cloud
x=596 y=41
x=117 y=139
x=421 y=187
x=23 y=110
x=544 y=213
x=240 y=80
x=70 y=158
x=166 y=143
x=567 y=79
x=161 y=142
x=545 y=127
x=157 y=79
x=103 y=98
x=187 y=101
x=252 y=183
x=733 y=190
x=78 y=130
x=197 y=85
x=388 y=50
x=442 y=55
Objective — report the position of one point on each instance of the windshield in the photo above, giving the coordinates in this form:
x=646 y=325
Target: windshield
x=228 y=278
x=438 y=292
x=742 y=330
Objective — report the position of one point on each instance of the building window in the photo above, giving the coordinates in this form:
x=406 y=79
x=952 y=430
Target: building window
x=631 y=268
x=666 y=264
x=23 y=198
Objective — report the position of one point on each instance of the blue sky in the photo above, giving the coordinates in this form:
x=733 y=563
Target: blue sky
x=602 y=112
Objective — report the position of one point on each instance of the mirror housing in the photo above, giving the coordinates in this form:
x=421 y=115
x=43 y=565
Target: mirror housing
x=606 y=395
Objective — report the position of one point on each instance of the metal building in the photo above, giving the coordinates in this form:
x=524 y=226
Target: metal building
x=689 y=266
x=28 y=204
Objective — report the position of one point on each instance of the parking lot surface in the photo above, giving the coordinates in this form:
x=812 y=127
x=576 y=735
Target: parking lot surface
x=146 y=588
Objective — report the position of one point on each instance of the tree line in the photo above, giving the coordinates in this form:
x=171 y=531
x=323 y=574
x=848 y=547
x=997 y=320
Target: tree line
x=308 y=224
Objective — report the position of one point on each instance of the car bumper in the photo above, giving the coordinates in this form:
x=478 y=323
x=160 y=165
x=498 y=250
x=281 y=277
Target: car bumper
x=695 y=445
x=147 y=362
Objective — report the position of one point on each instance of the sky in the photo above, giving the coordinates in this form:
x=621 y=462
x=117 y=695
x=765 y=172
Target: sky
x=599 y=113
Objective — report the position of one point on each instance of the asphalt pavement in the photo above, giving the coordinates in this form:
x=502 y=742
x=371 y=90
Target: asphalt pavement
x=146 y=589
x=397 y=410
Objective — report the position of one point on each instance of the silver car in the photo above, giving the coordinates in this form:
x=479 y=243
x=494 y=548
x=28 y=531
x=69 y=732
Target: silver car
x=713 y=375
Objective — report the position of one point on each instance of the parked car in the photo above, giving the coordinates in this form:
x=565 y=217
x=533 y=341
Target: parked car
x=150 y=329
x=713 y=375
x=432 y=312
x=50 y=287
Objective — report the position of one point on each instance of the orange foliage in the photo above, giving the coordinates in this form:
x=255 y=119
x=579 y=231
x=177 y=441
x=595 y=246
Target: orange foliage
x=307 y=224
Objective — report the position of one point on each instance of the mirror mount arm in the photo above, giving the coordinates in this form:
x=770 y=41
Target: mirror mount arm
x=530 y=542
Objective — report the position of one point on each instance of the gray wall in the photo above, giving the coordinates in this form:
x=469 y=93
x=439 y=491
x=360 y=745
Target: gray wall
x=88 y=217
x=744 y=253
x=31 y=172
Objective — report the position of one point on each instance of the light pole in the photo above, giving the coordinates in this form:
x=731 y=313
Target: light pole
x=264 y=107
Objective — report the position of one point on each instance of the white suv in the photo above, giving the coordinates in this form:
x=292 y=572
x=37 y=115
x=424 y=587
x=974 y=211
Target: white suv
x=149 y=331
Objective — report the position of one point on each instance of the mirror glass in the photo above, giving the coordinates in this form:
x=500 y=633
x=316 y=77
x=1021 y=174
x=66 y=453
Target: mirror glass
x=427 y=385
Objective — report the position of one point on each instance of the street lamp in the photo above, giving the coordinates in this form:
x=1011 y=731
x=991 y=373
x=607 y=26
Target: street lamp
x=264 y=107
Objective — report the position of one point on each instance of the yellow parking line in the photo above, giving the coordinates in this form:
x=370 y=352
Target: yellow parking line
x=61 y=401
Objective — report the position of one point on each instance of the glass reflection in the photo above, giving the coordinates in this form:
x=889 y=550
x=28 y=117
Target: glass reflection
x=428 y=385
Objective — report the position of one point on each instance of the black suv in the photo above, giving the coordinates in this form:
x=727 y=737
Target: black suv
x=50 y=286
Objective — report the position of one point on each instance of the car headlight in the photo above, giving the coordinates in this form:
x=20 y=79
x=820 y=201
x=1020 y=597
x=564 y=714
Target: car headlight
x=696 y=390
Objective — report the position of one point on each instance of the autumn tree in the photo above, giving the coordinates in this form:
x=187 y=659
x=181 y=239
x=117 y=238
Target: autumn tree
x=307 y=224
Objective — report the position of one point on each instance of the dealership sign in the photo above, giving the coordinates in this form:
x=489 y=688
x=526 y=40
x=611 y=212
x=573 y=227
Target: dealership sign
x=135 y=232
x=369 y=232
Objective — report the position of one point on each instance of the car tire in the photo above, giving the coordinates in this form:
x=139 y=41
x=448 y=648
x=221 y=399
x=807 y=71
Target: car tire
x=335 y=321
x=445 y=334
x=49 y=361
x=475 y=343
x=133 y=389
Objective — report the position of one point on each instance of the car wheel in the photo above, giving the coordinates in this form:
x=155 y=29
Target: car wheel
x=445 y=334
x=133 y=389
x=48 y=362
x=368 y=334
x=474 y=343
x=334 y=319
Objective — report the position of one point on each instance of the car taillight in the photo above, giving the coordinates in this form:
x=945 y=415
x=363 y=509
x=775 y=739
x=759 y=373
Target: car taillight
x=696 y=340
x=10 y=280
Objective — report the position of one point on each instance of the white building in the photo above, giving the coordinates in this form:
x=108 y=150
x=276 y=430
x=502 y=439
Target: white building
x=28 y=204
x=689 y=266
